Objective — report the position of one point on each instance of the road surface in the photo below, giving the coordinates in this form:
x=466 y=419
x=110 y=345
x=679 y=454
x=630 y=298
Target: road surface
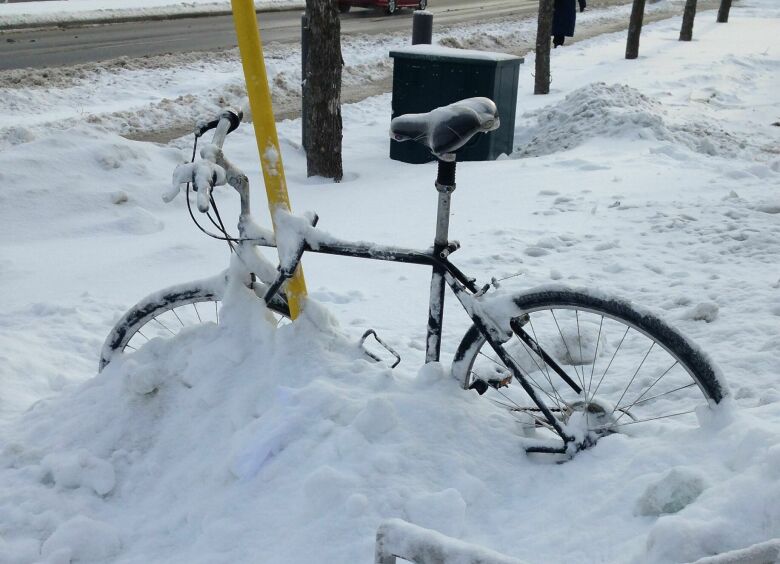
x=73 y=45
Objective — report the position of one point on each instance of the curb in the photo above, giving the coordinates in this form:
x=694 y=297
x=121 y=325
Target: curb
x=44 y=23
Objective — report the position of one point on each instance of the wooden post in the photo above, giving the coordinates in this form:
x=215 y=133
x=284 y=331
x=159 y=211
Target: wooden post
x=686 y=30
x=635 y=29
x=543 y=31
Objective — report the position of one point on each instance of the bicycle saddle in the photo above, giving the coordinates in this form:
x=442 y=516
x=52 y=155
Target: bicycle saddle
x=448 y=128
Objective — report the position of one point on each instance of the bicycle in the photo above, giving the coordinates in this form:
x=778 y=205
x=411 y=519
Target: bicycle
x=550 y=340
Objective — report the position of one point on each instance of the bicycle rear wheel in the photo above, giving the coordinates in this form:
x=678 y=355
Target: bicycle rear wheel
x=165 y=313
x=626 y=368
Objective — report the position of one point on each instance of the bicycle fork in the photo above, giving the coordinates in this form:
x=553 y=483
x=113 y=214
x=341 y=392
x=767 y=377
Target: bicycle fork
x=495 y=336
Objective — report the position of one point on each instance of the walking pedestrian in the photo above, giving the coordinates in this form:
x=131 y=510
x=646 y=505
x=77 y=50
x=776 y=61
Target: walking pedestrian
x=564 y=18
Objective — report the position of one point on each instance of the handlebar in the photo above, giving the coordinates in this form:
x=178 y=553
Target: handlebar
x=226 y=123
x=209 y=171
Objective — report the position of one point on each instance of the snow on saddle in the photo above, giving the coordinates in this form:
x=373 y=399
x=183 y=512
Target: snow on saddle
x=447 y=129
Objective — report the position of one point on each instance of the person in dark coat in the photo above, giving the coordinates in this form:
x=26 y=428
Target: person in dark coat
x=564 y=18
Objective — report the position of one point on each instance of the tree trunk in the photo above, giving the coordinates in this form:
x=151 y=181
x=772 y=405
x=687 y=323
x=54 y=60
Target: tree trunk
x=723 y=11
x=635 y=29
x=543 y=31
x=686 y=31
x=322 y=90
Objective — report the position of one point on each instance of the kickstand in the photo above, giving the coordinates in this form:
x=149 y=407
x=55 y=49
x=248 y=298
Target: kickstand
x=387 y=347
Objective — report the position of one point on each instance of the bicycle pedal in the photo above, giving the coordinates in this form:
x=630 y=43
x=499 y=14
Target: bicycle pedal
x=388 y=348
x=481 y=386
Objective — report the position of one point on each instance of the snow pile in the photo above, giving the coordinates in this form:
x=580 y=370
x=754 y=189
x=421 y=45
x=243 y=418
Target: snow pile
x=243 y=427
x=91 y=11
x=246 y=443
x=614 y=111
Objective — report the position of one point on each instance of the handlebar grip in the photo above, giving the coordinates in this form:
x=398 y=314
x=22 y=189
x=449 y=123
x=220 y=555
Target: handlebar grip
x=235 y=118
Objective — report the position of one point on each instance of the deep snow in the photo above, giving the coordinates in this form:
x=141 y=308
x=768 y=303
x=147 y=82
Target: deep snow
x=244 y=442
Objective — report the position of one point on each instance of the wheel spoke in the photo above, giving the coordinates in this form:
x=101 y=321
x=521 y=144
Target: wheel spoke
x=163 y=325
x=595 y=354
x=634 y=376
x=677 y=389
x=197 y=312
x=620 y=344
x=579 y=342
x=634 y=422
x=173 y=311
x=650 y=387
x=565 y=344
x=142 y=335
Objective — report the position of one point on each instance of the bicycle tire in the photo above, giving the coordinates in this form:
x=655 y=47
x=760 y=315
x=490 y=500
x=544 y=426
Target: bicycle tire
x=694 y=365
x=150 y=309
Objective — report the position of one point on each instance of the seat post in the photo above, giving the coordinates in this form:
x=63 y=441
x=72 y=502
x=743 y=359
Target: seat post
x=445 y=185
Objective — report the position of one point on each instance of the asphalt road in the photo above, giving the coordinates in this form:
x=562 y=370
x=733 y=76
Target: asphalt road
x=73 y=45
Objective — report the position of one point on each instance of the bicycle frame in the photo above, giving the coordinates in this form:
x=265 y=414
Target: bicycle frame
x=443 y=272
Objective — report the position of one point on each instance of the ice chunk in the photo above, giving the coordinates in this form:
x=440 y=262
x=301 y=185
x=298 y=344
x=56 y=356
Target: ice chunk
x=86 y=540
x=80 y=469
x=376 y=419
x=676 y=489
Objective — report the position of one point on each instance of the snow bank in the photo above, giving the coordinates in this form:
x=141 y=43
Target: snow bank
x=169 y=92
x=286 y=427
x=616 y=111
x=29 y=14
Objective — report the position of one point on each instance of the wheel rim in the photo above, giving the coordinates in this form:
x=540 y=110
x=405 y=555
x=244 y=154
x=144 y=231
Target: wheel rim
x=168 y=323
x=627 y=377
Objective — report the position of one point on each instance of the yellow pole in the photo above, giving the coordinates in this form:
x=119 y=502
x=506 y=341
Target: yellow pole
x=251 y=49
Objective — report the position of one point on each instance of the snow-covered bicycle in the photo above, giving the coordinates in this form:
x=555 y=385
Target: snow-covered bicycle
x=572 y=365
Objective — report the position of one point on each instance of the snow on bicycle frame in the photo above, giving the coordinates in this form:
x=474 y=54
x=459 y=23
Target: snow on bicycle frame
x=515 y=337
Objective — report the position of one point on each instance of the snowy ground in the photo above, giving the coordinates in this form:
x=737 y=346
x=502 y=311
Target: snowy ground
x=146 y=96
x=658 y=179
x=74 y=11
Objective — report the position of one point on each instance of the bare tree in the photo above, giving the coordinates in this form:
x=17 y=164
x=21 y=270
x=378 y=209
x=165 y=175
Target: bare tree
x=689 y=13
x=322 y=90
x=543 y=31
x=723 y=11
x=635 y=29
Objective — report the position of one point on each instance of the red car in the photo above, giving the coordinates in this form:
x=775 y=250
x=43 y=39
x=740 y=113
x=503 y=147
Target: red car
x=389 y=6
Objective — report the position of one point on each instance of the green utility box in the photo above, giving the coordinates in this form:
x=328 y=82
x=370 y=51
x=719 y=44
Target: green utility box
x=428 y=76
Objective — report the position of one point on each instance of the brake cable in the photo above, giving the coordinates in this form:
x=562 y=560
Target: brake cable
x=221 y=226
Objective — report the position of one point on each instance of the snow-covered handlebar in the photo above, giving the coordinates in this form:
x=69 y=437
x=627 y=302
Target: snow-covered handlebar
x=205 y=173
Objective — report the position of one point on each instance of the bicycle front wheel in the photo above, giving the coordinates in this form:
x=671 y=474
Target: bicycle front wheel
x=598 y=364
x=165 y=313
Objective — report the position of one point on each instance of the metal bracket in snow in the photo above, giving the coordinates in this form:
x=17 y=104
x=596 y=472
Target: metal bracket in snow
x=387 y=347
x=396 y=538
